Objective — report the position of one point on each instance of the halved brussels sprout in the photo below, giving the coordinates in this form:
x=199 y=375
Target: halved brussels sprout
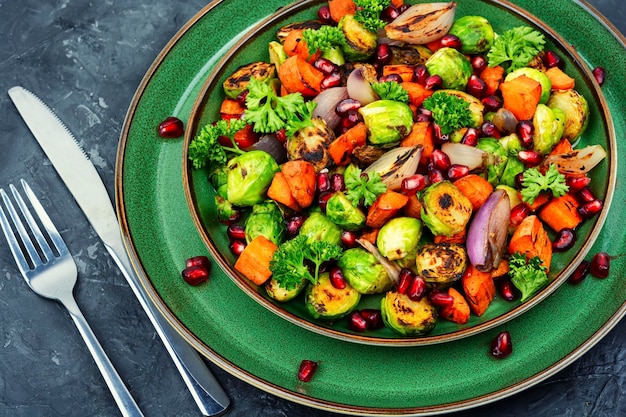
x=249 y=176
x=407 y=317
x=548 y=129
x=475 y=32
x=267 y=220
x=311 y=144
x=576 y=110
x=452 y=66
x=512 y=168
x=441 y=264
x=409 y=54
x=360 y=42
x=537 y=75
x=496 y=160
x=324 y=301
x=363 y=272
x=399 y=237
x=341 y=212
x=281 y=294
x=319 y=227
x=239 y=80
x=277 y=53
x=445 y=210
x=387 y=122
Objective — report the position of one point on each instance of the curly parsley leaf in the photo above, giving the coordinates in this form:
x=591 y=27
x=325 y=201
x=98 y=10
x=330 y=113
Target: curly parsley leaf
x=300 y=120
x=527 y=276
x=323 y=39
x=449 y=111
x=390 y=90
x=515 y=48
x=363 y=189
x=368 y=13
x=205 y=147
x=534 y=183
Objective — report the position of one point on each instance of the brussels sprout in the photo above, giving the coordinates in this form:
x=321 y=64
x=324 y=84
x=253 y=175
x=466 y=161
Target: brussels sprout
x=324 y=301
x=514 y=197
x=360 y=42
x=387 y=122
x=445 y=210
x=408 y=317
x=266 y=219
x=277 y=53
x=239 y=80
x=281 y=294
x=249 y=176
x=409 y=54
x=511 y=143
x=319 y=227
x=311 y=144
x=452 y=66
x=441 y=264
x=497 y=158
x=537 y=75
x=475 y=33
x=512 y=168
x=576 y=110
x=547 y=129
x=219 y=180
x=363 y=272
x=398 y=237
x=341 y=212
x=476 y=107
x=225 y=210
x=334 y=55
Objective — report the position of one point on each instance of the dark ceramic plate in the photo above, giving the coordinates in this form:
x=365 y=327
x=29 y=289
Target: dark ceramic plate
x=254 y=344
x=253 y=47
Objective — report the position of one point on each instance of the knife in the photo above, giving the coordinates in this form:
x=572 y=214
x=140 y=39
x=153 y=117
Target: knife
x=84 y=182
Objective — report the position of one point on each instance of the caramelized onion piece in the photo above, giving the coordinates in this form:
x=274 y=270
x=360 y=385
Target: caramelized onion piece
x=396 y=165
x=578 y=161
x=359 y=88
x=327 y=102
x=422 y=23
x=462 y=154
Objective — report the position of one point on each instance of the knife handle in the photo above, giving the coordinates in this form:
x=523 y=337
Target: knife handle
x=205 y=389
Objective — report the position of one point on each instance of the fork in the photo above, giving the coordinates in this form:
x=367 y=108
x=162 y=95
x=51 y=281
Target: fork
x=50 y=271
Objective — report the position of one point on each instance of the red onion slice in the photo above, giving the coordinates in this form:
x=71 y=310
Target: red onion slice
x=272 y=146
x=487 y=234
x=327 y=102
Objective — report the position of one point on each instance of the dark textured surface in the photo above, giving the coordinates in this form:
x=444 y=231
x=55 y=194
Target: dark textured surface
x=86 y=59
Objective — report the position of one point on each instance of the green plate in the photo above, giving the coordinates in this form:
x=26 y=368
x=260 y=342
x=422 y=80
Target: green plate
x=253 y=48
x=254 y=344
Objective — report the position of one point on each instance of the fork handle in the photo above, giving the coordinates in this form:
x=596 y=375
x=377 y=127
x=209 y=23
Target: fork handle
x=122 y=396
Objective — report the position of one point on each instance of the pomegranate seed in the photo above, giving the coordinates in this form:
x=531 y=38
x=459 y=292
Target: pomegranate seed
x=404 y=281
x=195 y=275
x=585 y=195
x=421 y=118
x=336 y=278
x=590 y=209
x=519 y=180
x=564 y=240
x=420 y=74
x=357 y=322
x=241 y=98
x=552 y=59
x=414 y=183
x=170 y=128
x=433 y=82
x=235 y=232
x=489 y=129
x=525 y=130
x=457 y=171
x=383 y=54
x=600 y=265
x=479 y=63
x=450 y=41
x=470 y=137
x=440 y=298
x=234 y=217
x=237 y=246
x=373 y=318
x=294 y=224
x=326 y=66
x=348 y=238
x=580 y=273
x=519 y=213
x=389 y=14
x=476 y=86
x=439 y=137
x=201 y=261
x=281 y=136
x=507 y=290
x=501 y=346
x=599 y=73
x=576 y=184
x=491 y=103
x=351 y=119
x=323 y=181
x=337 y=182
x=435 y=176
x=347 y=105
x=396 y=78
x=530 y=158
x=331 y=80
x=323 y=199
x=323 y=14
x=417 y=289
x=307 y=370
x=440 y=159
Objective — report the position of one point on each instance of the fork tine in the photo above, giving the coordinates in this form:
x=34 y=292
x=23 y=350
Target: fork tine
x=18 y=254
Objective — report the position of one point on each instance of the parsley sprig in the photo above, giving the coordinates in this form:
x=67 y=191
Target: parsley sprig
x=527 y=276
x=323 y=39
x=368 y=13
x=390 y=90
x=534 y=183
x=449 y=111
x=515 y=48
x=205 y=148
x=362 y=188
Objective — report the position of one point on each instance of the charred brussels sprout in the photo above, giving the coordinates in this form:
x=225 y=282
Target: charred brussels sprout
x=281 y=294
x=399 y=237
x=249 y=176
x=445 y=210
x=537 y=75
x=239 y=80
x=452 y=66
x=341 y=212
x=360 y=42
x=441 y=264
x=475 y=32
x=496 y=160
x=324 y=301
x=576 y=110
x=311 y=144
x=408 y=317
x=548 y=128
x=409 y=54
x=387 y=122
x=266 y=220
x=319 y=227
x=363 y=272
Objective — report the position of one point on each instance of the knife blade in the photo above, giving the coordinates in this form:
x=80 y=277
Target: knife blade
x=80 y=176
